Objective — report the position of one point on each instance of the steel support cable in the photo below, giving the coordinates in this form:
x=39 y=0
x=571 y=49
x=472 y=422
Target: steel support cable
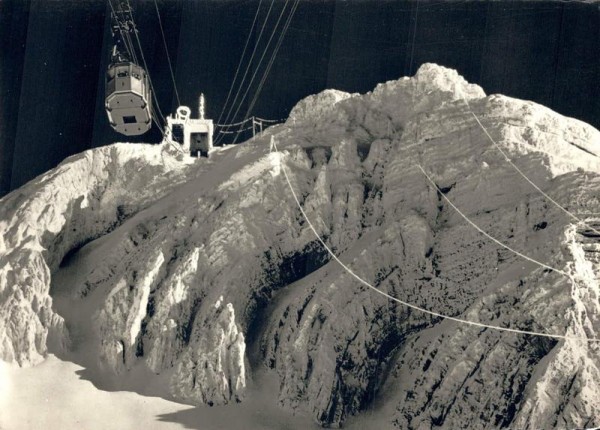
x=260 y=60
x=238 y=131
x=269 y=64
x=237 y=94
x=167 y=52
x=137 y=37
x=132 y=47
x=124 y=35
x=267 y=120
x=257 y=119
x=272 y=60
x=240 y=62
x=247 y=69
x=130 y=41
x=407 y=304
x=533 y=184
x=153 y=115
x=270 y=121
x=234 y=124
x=412 y=50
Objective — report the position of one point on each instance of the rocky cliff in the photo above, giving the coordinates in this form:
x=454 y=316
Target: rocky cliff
x=205 y=271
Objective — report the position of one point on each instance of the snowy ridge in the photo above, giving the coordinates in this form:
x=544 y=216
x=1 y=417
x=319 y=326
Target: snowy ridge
x=212 y=273
x=87 y=195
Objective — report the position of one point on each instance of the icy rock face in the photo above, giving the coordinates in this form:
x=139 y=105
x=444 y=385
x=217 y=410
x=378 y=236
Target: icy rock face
x=223 y=274
x=86 y=196
x=212 y=369
x=316 y=106
x=122 y=314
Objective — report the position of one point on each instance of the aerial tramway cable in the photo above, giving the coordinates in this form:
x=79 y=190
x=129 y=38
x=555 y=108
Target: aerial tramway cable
x=123 y=36
x=137 y=37
x=261 y=122
x=271 y=61
x=263 y=79
x=412 y=50
x=240 y=62
x=238 y=131
x=260 y=61
x=270 y=121
x=234 y=123
x=256 y=44
x=167 y=52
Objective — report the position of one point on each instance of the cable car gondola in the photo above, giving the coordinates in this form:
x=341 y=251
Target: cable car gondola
x=128 y=99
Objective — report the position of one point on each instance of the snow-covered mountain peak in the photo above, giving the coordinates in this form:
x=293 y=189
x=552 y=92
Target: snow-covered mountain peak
x=203 y=272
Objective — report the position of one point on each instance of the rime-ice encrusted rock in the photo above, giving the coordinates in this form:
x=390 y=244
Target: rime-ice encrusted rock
x=212 y=369
x=187 y=285
x=314 y=107
x=119 y=321
x=84 y=197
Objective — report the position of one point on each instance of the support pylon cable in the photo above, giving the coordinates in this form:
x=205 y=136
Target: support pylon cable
x=137 y=37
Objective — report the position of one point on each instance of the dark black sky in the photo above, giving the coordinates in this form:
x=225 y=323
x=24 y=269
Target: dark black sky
x=53 y=55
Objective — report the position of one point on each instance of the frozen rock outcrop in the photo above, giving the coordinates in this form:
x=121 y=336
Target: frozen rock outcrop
x=222 y=274
x=83 y=198
x=212 y=370
x=314 y=107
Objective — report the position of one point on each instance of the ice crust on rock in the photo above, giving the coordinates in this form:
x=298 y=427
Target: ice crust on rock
x=317 y=106
x=204 y=272
x=84 y=197
x=212 y=369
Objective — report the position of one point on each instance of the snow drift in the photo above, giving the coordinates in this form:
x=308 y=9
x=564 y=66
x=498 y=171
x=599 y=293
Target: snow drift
x=201 y=272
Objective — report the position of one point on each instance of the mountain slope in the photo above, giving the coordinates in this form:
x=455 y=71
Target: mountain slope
x=201 y=273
